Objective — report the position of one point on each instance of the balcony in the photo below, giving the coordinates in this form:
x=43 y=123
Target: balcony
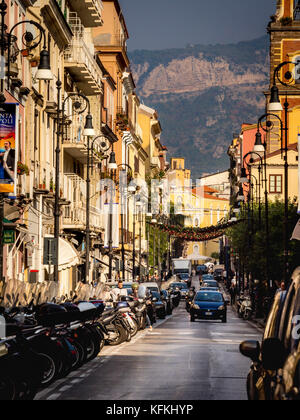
x=155 y=162
x=107 y=119
x=83 y=68
x=74 y=215
x=107 y=43
x=75 y=143
x=89 y=11
x=111 y=40
x=55 y=20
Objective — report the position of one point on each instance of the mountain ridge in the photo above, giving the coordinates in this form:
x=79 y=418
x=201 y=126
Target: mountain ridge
x=203 y=94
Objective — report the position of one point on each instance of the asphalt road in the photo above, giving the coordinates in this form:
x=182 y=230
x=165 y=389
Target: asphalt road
x=179 y=360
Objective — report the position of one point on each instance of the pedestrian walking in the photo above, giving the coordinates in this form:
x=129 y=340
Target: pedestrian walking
x=232 y=292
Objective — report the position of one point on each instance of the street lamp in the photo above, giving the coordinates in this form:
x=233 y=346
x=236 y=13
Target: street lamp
x=6 y=40
x=275 y=106
x=258 y=183
x=88 y=131
x=149 y=217
x=154 y=222
x=112 y=167
x=44 y=73
x=125 y=168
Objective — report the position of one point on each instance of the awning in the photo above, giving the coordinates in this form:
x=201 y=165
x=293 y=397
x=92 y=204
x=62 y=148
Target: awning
x=68 y=256
x=198 y=257
x=296 y=233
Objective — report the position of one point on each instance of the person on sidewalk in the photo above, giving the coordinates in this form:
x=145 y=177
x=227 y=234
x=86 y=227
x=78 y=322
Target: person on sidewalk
x=232 y=292
x=119 y=291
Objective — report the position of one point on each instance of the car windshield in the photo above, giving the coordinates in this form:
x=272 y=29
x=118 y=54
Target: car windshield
x=156 y=295
x=208 y=297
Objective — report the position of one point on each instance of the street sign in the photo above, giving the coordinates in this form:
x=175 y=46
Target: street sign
x=50 y=247
x=8 y=236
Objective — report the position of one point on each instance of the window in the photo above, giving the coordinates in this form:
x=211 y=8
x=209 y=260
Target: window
x=136 y=165
x=297 y=9
x=276 y=184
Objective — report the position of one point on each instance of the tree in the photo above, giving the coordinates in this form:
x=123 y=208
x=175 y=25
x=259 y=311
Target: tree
x=249 y=241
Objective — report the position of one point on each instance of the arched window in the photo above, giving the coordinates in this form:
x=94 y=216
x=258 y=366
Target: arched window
x=196 y=222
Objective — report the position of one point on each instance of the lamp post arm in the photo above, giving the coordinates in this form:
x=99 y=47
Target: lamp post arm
x=9 y=35
x=37 y=25
x=266 y=130
x=72 y=95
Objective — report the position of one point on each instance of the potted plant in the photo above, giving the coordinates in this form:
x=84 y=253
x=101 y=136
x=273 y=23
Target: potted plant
x=51 y=185
x=22 y=169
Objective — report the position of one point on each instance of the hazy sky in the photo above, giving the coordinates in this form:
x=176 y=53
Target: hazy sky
x=159 y=24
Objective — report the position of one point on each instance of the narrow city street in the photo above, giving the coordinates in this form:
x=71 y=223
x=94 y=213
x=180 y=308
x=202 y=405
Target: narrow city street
x=177 y=361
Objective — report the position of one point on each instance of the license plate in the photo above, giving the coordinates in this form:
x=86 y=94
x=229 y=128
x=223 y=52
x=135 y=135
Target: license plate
x=208 y=313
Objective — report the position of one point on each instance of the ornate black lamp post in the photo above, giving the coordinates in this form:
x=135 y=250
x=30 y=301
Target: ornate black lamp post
x=88 y=132
x=276 y=106
x=261 y=148
x=127 y=171
x=44 y=73
x=6 y=40
x=112 y=167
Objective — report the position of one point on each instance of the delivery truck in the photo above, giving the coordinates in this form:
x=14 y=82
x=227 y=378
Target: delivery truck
x=181 y=266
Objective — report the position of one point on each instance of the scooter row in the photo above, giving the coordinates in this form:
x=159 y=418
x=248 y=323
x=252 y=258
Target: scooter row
x=47 y=342
x=244 y=308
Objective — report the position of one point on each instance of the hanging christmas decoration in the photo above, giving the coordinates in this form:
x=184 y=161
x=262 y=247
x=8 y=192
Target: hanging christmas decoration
x=198 y=234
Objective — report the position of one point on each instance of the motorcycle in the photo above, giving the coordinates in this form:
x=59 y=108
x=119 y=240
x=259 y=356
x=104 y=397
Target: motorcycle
x=245 y=309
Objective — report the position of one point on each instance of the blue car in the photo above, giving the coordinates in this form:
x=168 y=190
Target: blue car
x=209 y=305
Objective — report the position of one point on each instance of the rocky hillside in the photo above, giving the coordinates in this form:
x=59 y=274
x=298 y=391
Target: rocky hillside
x=203 y=94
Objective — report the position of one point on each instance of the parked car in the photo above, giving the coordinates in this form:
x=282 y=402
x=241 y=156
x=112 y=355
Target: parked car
x=209 y=305
x=261 y=381
x=278 y=357
x=288 y=381
x=160 y=305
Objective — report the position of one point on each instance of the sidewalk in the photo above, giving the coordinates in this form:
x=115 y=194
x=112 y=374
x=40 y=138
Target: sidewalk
x=260 y=322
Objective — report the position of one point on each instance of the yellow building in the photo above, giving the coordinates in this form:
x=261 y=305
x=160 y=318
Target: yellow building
x=201 y=207
x=276 y=175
